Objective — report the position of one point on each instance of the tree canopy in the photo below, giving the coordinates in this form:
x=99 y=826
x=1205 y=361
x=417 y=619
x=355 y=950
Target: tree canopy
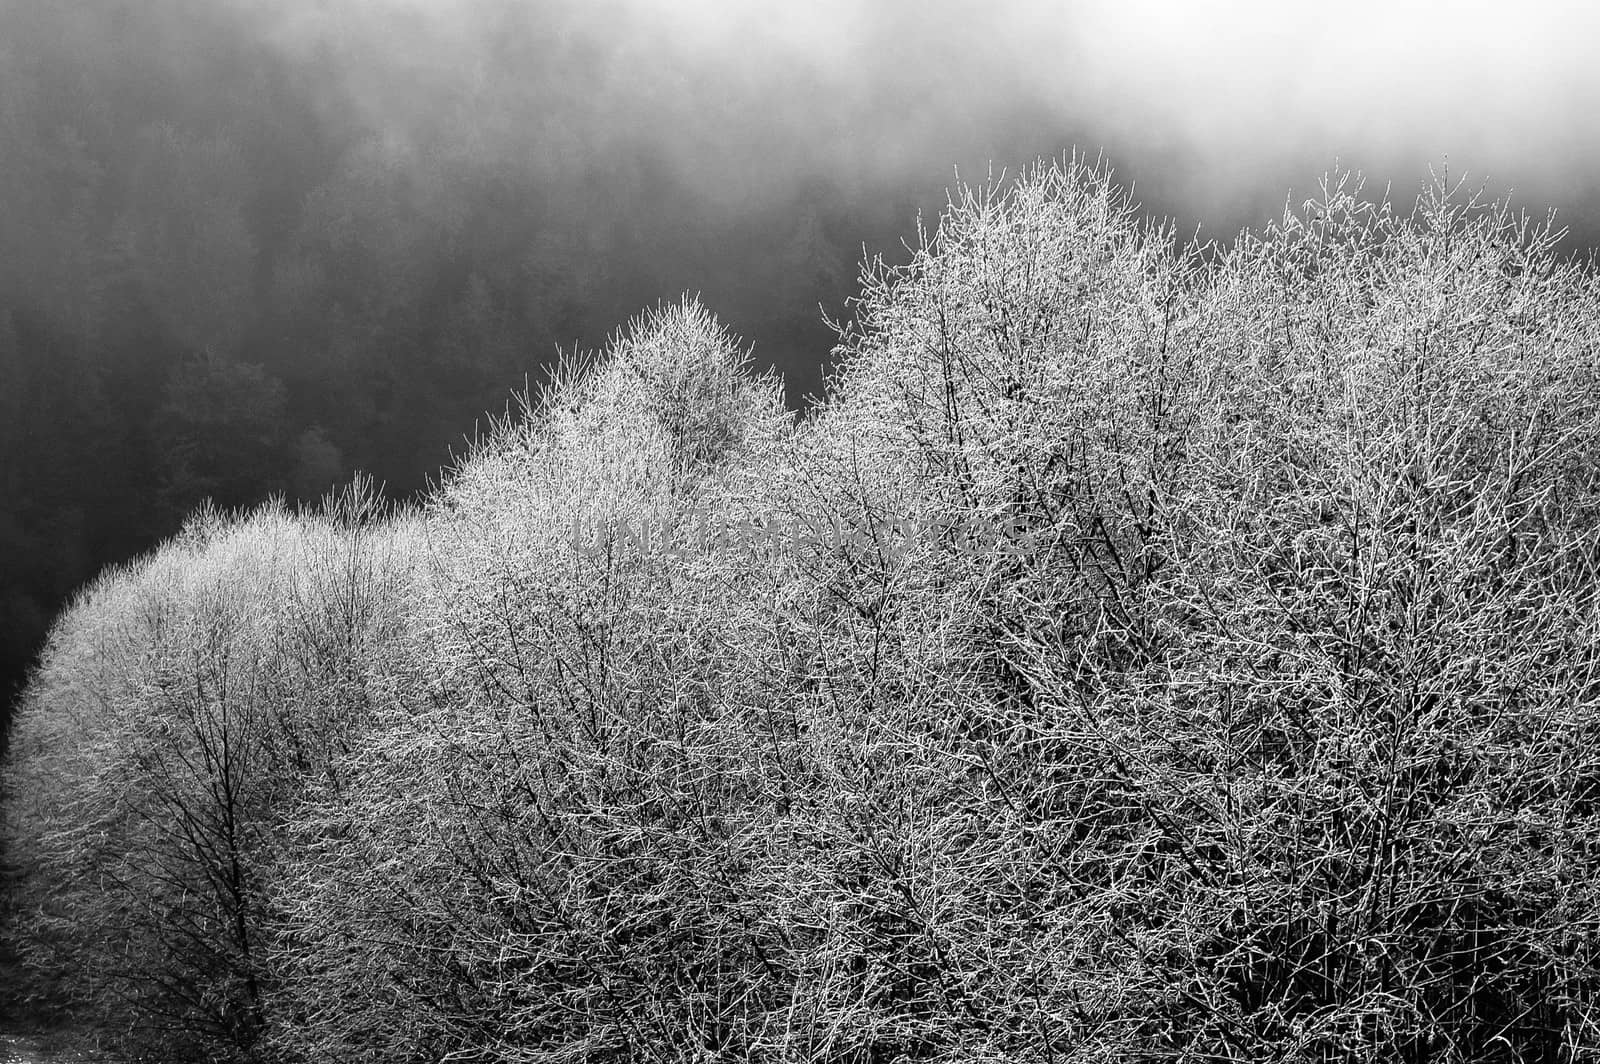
x=1146 y=650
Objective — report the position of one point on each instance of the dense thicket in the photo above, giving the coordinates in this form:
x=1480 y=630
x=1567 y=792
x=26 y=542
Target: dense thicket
x=1147 y=652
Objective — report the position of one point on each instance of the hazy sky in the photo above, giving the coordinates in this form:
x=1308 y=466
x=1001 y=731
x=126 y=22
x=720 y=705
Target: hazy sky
x=1215 y=106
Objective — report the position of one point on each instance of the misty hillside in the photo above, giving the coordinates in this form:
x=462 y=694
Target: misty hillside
x=1145 y=651
x=248 y=247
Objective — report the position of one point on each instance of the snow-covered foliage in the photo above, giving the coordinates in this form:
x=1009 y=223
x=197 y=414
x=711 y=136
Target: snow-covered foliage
x=1147 y=652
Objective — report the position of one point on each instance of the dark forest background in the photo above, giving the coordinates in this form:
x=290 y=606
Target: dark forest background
x=219 y=277
x=249 y=248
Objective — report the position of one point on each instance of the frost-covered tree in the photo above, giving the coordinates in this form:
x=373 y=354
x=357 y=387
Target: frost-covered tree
x=1148 y=651
x=184 y=704
x=533 y=857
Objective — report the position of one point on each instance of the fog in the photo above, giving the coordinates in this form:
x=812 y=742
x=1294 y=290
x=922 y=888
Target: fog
x=1216 y=106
